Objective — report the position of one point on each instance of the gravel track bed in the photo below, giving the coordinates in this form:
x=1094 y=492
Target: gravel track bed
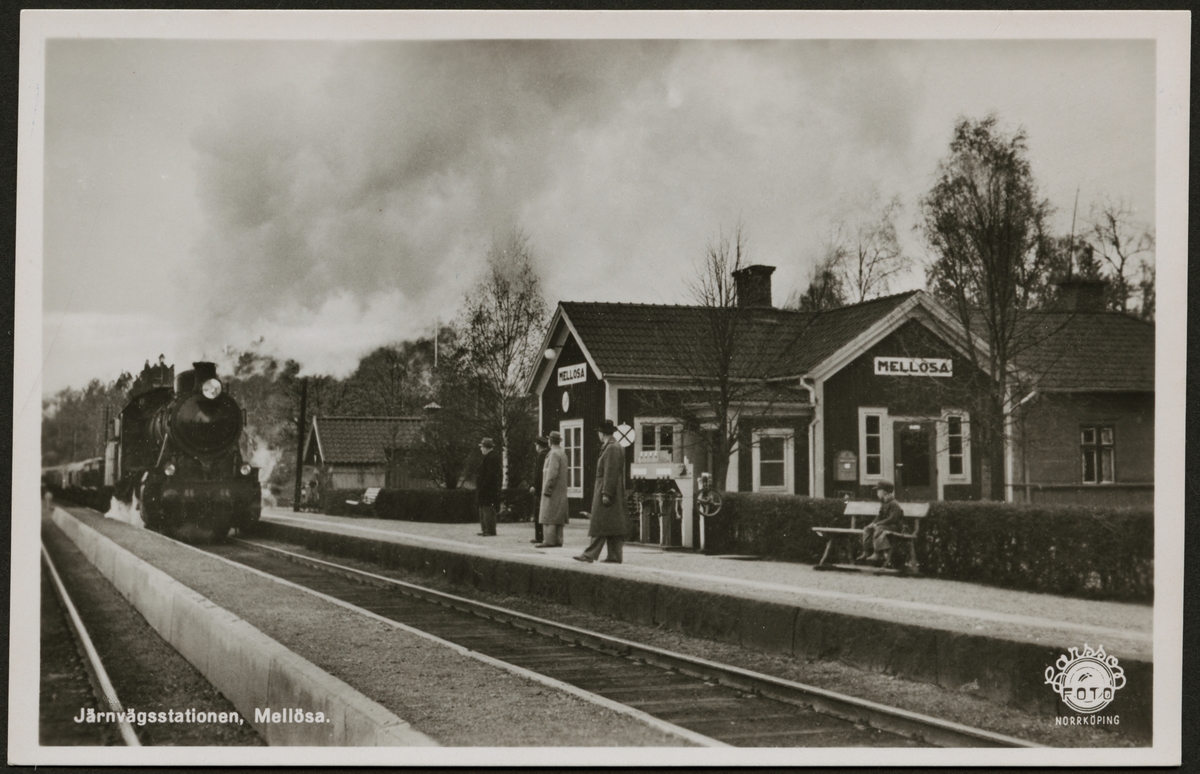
x=453 y=698
x=885 y=689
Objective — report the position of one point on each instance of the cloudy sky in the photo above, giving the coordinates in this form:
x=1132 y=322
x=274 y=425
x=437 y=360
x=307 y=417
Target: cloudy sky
x=317 y=199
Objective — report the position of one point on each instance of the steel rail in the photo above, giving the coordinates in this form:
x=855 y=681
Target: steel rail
x=92 y=658
x=936 y=731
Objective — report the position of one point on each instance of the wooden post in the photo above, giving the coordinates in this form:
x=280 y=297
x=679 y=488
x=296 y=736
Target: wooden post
x=301 y=422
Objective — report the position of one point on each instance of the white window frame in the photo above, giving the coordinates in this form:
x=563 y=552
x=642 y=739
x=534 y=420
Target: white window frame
x=565 y=427
x=1098 y=446
x=789 y=459
x=943 y=447
x=677 y=433
x=886 y=453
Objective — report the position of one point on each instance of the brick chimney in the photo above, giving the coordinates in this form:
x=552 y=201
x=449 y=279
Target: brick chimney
x=754 y=286
x=1082 y=295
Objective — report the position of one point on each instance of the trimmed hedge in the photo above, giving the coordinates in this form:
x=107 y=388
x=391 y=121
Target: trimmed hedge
x=1080 y=551
x=440 y=506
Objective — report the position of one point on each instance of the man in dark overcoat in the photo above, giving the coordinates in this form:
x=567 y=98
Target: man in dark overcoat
x=609 y=520
x=542 y=445
x=487 y=487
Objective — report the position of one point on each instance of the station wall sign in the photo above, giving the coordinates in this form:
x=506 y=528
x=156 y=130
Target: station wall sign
x=572 y=374
x=914 y=366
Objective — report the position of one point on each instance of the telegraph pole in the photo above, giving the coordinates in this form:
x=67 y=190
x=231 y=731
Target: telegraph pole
x=301 y=421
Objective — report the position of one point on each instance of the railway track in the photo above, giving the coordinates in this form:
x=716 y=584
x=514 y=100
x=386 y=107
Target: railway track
x=171 y=703
x=60 y=703
x=713 y=703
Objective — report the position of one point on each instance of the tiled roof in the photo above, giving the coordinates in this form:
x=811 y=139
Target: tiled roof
x=674 y=341
x=349 y=440
x=1060 y=350
x=1087 y=351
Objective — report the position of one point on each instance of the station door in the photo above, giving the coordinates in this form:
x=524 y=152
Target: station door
x=916 y=460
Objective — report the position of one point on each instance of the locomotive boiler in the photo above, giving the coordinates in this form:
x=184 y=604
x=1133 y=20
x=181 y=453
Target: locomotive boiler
x=176 y=449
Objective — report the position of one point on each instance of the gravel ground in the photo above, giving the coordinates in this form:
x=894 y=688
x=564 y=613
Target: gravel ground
x=455 y=699
x=1126 y=630
x=885 y=689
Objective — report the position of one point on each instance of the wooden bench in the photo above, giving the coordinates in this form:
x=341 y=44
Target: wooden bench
x=849 y=538
x=368 y=497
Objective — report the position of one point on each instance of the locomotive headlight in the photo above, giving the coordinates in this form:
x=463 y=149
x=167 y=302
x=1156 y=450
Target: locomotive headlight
x=211 y=389
x=245 y=470
x=169 y=469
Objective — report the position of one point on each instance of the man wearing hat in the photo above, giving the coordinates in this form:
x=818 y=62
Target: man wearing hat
x=890 y=519
x=542 y=447
x=552 y=514
x=487 y=487
x=609 y=521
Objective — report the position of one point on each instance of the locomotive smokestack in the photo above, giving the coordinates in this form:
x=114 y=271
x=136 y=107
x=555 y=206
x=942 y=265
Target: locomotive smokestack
x=201 y=372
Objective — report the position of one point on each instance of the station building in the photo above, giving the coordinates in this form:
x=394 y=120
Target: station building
x=844 y=398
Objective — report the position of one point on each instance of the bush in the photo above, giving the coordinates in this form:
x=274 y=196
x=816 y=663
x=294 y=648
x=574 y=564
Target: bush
x=1102 y=553
x=440 y=506
x=334 y=502
x=774 y=526
x=1081 y=551
x=517 y=504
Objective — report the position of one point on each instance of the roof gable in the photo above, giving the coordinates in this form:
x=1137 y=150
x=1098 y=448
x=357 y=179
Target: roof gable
x=356 y=440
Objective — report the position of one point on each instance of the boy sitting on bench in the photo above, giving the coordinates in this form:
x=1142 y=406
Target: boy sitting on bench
x=890 y=519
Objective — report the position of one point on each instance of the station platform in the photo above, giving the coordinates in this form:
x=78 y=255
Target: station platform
x=1125 y=630
x=992 y=643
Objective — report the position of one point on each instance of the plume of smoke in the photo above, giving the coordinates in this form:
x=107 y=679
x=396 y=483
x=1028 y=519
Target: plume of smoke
x=264 y=457
x=130 y=513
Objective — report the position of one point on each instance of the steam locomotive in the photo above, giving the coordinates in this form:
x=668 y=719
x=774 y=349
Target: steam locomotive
x=175 y=449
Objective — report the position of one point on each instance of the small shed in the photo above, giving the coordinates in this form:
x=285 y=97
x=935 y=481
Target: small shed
x=363 y=452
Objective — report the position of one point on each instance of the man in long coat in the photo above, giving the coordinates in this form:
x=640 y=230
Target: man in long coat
x=542 y=447
x=609 y=520
x=552 y=514
x=487 y=487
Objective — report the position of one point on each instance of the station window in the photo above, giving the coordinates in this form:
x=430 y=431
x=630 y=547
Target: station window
x=1096 y=449
x=772 y=459
x=873 y=453
x=657 y=441
x=572 y=433
x=954 y=444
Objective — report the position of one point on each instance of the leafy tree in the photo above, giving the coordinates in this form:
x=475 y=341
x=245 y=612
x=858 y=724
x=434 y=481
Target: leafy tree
x=392 y=381
x=75 y=422
x=501 y=325
x=449 y=436
x=986 y=224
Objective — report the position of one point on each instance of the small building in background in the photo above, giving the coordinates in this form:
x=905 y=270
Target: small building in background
x=363 y=452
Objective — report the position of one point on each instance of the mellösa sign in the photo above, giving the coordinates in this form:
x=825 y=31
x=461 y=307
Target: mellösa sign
x=572 y=374
x=914 y=366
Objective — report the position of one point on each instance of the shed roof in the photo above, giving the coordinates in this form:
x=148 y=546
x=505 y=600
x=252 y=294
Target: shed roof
x=358 y=440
